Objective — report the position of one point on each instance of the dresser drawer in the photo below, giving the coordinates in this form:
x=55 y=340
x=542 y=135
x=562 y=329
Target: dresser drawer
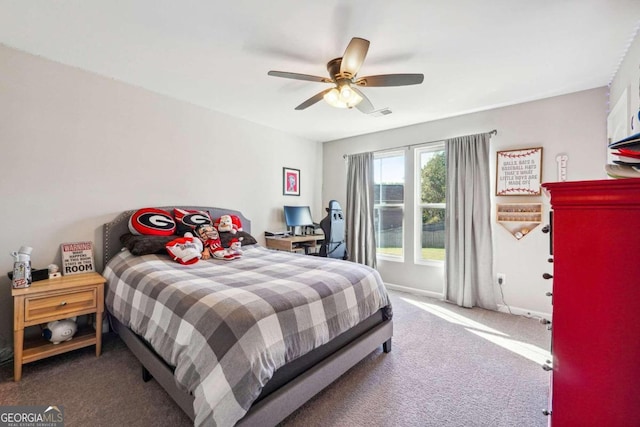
x=43 y=307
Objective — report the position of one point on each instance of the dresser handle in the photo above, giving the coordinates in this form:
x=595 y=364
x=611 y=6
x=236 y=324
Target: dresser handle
x=546 y=412
x=63 y=303
x=547 y=276
x=546 y=228
x=549 y=294
x=547 y=367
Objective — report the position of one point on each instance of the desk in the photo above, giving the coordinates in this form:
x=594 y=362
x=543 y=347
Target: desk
x=293 y=243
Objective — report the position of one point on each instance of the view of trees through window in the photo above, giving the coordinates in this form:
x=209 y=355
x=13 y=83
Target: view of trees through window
x=389 y=199
x=432 y=198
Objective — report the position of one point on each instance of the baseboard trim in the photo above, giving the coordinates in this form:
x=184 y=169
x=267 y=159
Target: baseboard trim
x=519 y=311
x=409 y=290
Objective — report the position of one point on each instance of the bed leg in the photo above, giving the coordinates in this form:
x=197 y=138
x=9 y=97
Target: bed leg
x=386 y=346
x=146 y=375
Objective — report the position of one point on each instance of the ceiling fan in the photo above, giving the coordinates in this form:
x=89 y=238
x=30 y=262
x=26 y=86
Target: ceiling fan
x=342 y=75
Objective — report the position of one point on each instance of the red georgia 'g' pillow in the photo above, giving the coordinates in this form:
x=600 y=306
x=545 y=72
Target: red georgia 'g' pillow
x=152 y=221
x=188 y=219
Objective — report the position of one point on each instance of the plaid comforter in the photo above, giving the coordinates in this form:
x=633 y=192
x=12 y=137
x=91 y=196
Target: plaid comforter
x=227 y=326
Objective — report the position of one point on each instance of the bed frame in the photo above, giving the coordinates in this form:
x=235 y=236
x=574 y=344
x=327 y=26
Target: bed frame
x=293 y=384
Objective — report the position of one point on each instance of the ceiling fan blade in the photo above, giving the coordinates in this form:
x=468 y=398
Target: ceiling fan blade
x=315 y=98
x=365 y=105
x=391 y=80
x=354 y=56
x=297 y=76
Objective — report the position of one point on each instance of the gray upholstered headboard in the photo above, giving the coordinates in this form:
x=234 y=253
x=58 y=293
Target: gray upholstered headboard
x=120 y=225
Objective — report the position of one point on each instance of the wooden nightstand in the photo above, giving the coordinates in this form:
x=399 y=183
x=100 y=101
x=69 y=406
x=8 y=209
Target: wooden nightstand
x=56 y=299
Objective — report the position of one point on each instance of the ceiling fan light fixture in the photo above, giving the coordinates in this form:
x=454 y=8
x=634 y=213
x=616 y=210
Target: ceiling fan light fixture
x=333 y=98
x=343 y=72
x=345 y=97
x=345 y=92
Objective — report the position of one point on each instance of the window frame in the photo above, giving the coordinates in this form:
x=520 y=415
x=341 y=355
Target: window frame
x=419 y=205
x=401 y=206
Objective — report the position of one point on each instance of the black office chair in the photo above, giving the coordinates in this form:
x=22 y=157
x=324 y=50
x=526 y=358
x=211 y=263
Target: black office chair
x=333 y=226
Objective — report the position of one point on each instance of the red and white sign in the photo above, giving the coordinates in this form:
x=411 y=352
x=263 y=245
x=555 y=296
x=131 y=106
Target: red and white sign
x=77 y=258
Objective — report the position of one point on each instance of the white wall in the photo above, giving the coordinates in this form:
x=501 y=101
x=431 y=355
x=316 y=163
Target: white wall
x=77 y=149
x=573 y=124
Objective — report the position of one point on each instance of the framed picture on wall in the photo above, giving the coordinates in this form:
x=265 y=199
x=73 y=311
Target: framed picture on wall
x=518 y=172
x=290 y=182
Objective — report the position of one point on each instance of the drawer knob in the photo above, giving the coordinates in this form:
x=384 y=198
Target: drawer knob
x=548 y=294
x=63 y=303
x=546 y=412
x=546 y=228
x=547 y=276
x=546 y=367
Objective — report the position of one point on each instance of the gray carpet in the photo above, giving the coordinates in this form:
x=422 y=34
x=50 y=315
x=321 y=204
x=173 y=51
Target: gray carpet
x=445 y=369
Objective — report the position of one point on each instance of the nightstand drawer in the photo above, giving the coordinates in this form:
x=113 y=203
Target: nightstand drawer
x=54 y=305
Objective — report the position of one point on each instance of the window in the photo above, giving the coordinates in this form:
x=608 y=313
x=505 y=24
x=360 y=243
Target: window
x=431 y=180
x=388 y=169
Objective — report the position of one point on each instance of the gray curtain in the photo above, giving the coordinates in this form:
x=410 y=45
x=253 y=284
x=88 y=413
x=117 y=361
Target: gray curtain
x=361 y=239
x=469 y=248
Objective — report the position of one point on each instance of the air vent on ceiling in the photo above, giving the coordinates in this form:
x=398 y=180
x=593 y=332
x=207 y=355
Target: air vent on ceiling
x=381 y=112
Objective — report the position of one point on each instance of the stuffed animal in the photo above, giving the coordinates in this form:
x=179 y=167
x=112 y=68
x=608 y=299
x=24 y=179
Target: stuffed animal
x=228 y=224
x=234 y=251
x=210 y=238
x=236 y=245
x=60 y=330
x=186 y=250
x=224 y=224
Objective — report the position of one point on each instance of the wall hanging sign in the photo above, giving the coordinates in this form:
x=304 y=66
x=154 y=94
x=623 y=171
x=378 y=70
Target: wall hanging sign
x=291 y=182
x=562 y=160
x=518 y=172
x=77 y=258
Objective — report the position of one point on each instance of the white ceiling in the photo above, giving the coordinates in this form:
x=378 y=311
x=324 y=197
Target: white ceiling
x=475 y=55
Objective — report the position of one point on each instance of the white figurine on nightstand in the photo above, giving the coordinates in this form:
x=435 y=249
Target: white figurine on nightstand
x=53 y=271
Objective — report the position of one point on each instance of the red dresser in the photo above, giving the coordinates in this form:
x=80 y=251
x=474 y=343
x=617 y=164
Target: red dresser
x=595 y=233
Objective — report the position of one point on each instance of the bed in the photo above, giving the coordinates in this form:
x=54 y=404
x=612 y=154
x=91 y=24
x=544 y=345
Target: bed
x=313 y=319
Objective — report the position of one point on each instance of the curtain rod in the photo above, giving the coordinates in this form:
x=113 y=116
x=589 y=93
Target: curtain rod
x=493 y=132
